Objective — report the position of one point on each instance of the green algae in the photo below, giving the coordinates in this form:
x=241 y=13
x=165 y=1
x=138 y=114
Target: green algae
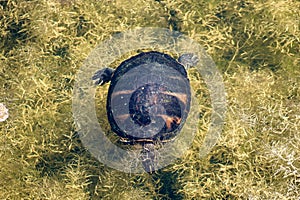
x=255 y=45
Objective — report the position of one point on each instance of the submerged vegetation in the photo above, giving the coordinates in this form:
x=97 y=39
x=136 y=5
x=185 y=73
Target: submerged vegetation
x=255 y=45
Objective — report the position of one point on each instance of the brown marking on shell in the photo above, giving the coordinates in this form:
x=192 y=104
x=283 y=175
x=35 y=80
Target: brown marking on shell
x=156 y=141
x=122 y=117
x=176 y=78
x=114 y=94
x=181 y=96
x=141 y=140
x=170 y=120
x=146 y=140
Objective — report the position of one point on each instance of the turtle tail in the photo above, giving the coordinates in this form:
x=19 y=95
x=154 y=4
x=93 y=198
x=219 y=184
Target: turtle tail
x=148 y=157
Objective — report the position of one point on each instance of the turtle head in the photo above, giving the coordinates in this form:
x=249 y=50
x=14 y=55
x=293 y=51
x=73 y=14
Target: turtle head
x=148 y=157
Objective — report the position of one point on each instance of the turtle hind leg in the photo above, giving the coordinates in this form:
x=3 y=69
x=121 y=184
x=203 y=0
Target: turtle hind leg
x=103 y=76
x=188 y=60
x=148 y=157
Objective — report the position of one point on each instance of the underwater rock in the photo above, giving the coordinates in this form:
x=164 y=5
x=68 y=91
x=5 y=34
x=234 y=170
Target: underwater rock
x=3 y=112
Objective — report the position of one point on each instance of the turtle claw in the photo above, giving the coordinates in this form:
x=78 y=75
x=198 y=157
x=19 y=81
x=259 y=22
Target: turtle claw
x=103 y=76
x=188 y=60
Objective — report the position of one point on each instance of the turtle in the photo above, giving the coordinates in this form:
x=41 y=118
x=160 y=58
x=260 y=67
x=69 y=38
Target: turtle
x=148 y=100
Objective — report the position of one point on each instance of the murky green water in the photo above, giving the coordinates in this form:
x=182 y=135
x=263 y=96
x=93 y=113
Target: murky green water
x=255 y=45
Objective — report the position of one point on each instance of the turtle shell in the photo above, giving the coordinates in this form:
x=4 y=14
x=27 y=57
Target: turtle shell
x=148 y=98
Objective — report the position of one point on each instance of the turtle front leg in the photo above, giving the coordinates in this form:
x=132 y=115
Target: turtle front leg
x=103 y=76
